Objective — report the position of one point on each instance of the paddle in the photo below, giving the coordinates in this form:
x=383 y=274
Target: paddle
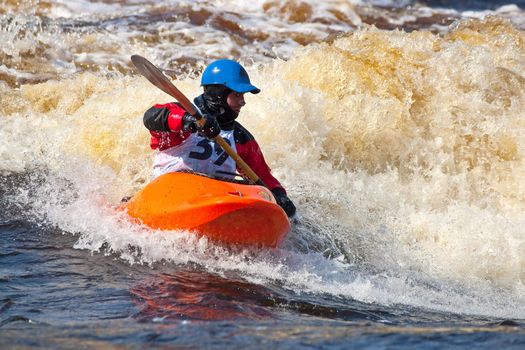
x=157 y=78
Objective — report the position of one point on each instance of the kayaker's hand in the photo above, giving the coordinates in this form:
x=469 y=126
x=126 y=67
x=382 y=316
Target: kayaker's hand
x=210 y=129
x=284 y=202
x=189 y=123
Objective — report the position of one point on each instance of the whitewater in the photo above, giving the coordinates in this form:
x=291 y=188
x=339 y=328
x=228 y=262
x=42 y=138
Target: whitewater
x=396 y=128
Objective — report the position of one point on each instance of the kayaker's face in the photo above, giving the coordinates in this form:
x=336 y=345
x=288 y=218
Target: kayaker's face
x=236 y=101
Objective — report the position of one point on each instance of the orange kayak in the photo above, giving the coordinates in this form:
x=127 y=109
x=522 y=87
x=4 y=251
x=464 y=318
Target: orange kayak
x=223 y=211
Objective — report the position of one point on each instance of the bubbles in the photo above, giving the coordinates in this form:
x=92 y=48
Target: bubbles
x=397 y=146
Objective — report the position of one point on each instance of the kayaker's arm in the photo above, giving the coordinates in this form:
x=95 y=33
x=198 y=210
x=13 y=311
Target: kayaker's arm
x=249 y=150
x=164 y=122
x=251 y=153
x=164 y=117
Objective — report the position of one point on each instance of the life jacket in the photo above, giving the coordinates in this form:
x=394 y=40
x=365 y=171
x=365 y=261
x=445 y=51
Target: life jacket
x=199 y=154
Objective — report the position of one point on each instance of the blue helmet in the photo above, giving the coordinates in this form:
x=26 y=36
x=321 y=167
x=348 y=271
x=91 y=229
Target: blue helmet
x=230 y=74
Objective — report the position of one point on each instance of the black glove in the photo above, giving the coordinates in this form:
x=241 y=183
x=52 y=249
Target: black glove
x=210 y=129
x=284 y=202
x=189 y=123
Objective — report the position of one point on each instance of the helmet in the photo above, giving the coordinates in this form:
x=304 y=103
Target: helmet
x=230 y=74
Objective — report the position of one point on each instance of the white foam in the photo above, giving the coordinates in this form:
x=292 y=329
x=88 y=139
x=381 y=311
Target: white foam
x=102 y=229
x=403 y=152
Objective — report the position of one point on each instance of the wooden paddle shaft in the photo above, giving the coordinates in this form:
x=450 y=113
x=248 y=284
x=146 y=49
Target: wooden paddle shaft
x=157 y=78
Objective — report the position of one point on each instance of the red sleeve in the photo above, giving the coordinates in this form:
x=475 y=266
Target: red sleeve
x=165 y=121
x=175 y=115
x=251 y=153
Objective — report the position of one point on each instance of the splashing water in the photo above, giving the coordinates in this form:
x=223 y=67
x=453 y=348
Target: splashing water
x=403 y=152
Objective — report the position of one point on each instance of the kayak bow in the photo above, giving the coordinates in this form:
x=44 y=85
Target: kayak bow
x=223 y=211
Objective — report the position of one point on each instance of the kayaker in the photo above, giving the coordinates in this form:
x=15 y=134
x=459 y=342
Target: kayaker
x=183 y=145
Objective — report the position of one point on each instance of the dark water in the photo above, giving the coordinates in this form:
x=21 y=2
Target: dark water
x=59 y=297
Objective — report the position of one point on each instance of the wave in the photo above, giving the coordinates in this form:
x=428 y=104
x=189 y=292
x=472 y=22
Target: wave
x=403 y=152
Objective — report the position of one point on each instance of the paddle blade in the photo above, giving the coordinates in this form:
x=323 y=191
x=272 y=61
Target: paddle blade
x=157 y=78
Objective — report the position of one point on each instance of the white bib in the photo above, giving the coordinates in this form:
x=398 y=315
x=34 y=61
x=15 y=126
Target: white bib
x=198 y=154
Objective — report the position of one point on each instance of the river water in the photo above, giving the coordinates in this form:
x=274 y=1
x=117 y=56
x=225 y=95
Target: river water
x=397 y=128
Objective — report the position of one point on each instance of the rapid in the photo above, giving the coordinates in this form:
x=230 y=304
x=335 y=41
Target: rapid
x=396 y=127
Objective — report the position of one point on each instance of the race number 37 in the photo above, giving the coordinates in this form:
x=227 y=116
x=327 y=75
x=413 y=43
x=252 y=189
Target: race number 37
x=208 y=148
